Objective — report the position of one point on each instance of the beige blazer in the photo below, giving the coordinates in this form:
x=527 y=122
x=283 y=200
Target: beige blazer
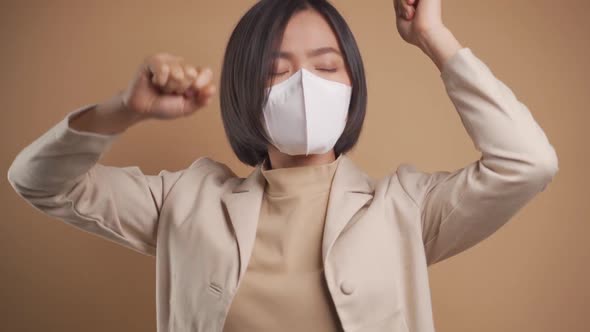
x=380 y=234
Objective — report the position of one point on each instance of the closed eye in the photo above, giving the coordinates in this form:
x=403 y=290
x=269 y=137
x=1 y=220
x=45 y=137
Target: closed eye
x=329 y=70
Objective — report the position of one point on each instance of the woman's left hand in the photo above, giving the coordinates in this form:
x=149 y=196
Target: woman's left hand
x=415 y=18
x=419 y=22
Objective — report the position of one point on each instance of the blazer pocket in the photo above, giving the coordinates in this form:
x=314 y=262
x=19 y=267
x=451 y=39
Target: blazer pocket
x=215 y=289
x=395 y=321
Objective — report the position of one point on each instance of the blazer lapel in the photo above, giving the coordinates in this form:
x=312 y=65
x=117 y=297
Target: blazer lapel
x=243 y=206
x=351 y=189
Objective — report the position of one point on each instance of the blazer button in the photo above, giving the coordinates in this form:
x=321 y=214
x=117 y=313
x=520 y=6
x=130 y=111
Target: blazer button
x=346 y=287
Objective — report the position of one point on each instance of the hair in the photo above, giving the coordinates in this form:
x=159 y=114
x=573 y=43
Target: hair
x=247 y=67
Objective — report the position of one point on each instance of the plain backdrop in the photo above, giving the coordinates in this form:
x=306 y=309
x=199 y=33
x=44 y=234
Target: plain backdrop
x=531 y=275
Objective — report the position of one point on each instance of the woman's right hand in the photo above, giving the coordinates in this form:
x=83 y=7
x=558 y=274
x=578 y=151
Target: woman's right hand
x=165 y=87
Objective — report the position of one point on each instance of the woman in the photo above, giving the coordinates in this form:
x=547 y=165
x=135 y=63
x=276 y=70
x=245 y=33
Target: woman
x=307 y=241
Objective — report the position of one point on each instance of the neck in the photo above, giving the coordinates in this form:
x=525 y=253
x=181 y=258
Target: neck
x=283 y=160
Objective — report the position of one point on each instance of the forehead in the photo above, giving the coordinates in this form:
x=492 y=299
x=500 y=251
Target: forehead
x=307 y=30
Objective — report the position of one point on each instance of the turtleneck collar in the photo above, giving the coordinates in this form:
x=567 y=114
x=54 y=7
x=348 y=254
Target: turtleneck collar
x=300 y=179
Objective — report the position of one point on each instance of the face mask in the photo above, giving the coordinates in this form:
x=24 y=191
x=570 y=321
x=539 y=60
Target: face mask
x=306 y=114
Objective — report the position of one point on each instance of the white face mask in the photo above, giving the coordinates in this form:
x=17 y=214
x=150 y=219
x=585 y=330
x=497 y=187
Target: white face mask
x=306 y=114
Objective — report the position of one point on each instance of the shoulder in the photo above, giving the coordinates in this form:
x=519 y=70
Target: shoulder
x=199 y=169
x=211 y=174
x=203 y=175
x=209 y=163
x=207 y=166
x=413 y=181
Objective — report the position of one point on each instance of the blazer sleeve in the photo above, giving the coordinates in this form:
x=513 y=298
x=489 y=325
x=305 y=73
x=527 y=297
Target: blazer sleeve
x=462 y=207
x=59 y=175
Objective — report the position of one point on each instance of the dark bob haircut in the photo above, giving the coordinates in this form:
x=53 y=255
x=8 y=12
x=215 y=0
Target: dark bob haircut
x=247 y=67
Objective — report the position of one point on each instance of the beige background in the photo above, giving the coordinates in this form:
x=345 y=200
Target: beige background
x=529 y=276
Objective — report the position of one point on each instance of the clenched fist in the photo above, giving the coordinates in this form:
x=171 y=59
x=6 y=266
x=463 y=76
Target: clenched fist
x=416 y=18
x=166 y=87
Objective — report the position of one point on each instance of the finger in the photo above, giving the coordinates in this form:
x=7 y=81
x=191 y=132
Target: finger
x=193 y=86
x=175 y=80
x=199 y=95
x=189 y=75
x=407 y=10
x=159 y=74
x=206 y=94
x=158 y=68
x=202 y=96
x=204 y=78
x=404 y=8
x=201 y=100
x=190 y=72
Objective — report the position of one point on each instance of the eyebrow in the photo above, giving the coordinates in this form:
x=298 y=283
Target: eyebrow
x=312 y=53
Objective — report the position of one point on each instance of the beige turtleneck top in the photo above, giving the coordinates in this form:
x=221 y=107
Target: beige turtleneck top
x=284 y=288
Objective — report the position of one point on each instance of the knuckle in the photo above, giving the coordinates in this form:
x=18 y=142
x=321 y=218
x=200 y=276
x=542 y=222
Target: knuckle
x=157 y=58
x=163 y=70
x=176 y=73
x=158 y=67
x=204 y=77
x=190 y=71
x=161 y=78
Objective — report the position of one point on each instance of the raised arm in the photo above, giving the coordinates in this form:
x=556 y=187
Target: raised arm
x=461 y=208
x=59 y=173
